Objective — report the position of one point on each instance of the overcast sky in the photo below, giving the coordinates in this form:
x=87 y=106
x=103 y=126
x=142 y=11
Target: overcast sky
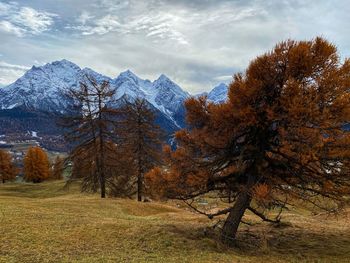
x=197 y=43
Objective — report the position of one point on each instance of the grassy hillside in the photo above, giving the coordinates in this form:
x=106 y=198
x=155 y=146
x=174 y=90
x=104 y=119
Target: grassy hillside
x=47 y=223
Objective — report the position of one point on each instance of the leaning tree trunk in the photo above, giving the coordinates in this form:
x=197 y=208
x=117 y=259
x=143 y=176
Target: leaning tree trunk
x=233 y=220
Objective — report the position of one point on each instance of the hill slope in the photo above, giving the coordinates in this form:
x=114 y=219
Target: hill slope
x=45 y=223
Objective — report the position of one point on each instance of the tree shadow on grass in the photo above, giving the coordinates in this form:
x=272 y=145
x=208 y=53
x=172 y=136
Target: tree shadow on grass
x=264 y=239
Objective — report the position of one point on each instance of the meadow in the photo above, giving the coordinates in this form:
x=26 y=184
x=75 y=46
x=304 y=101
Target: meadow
x=50 y=223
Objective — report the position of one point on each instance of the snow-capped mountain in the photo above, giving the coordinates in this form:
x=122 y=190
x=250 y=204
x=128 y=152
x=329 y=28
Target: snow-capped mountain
x=25 y=103
x=42 y=88
x=163 y=93
x=219 y=93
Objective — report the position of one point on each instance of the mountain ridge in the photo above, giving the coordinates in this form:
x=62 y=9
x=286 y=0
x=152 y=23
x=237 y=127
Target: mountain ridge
x=41 y=90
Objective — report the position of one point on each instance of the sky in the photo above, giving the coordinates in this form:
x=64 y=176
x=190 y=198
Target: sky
x=197 y=43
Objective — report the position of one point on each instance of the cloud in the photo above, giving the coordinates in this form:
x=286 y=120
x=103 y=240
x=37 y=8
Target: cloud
x=10 y=72
x=104 y=25
x=155 y=26
x=23 y=20
x=8 y=27
x=197 y=43
x=158 y=20
x=224 y=78
x=84 y=17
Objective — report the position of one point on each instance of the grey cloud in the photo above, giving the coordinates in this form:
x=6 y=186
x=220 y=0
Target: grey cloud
x=197 y=43
x=10 y=72
x=22 y=20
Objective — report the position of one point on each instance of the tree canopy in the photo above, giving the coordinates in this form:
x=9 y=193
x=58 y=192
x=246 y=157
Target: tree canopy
x=36 y=165
x=141 y=140
x=7 y=170
x=280 y=135
x=90 y=129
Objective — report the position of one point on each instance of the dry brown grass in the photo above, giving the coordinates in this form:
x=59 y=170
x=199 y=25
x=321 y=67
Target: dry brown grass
x=44 y=223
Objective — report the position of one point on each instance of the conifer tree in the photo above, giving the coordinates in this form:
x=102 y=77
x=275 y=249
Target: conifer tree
x=140 y=140
x=36 y=165
x=280 y=135
x=90 y=130
x=58 y=168
x=7 y=169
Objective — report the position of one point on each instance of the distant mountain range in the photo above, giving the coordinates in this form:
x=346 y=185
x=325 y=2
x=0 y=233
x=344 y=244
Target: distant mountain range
x=25 y=103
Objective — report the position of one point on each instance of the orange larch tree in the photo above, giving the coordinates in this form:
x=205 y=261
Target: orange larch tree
x=140 y=140
x=90 y=129
x=7 y=169
x=36 y=165
x=280 y=134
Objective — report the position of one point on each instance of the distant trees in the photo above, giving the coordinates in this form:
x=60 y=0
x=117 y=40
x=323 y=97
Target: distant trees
x=140 y=139
x=58 y=168
x=36 y=165
x=111 y=147
x=90 y=131
x=280 y=135
x=7 y=169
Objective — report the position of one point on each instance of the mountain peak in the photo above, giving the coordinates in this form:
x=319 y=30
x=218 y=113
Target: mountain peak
x=163 y=78
x=63 y=63
x=41 y=89
x=128 y=73
x=219 y=93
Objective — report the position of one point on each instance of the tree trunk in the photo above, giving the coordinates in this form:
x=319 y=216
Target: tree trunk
x=139 y=147
x=103 y=186
x=139 y=180
x=139 y=188
x=3 y=181
x=102 y=149
x=233 y=220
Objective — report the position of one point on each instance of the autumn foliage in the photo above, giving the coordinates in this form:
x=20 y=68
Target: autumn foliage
x=280 y=134
x=7 y=169
x=90 y=129
x=36 y=165
x=140 y=140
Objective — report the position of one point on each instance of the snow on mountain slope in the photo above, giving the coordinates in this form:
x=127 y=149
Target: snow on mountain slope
x=43 y=88
x=163 y=93
x=127 y=83
x=218 y=94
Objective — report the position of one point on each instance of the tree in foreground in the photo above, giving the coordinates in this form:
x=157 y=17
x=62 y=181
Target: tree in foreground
x=140 y=140
x=280 y=135
x=36 y=165
x=7 y=169
x=58 y=168
x=90 y=129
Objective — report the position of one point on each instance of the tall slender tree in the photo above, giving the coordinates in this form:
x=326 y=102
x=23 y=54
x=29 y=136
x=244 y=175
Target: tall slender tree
x=58 y=168
x=7 y=169
x=280 y=135
x=90 y=129
x=140 y=139
x=36 y=165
